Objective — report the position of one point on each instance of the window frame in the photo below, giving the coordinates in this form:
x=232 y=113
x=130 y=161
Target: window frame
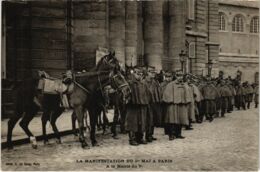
x=238 y=24
x=254 y=25
x=222 y=21
x=191 y=9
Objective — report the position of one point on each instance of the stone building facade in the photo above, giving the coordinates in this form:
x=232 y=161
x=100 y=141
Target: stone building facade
x=55 y=35
x=59 y=35
x=239 y=39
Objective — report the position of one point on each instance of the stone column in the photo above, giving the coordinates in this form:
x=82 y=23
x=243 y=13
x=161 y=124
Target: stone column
x=153 y=33
x=177 y=31
x=131 y=33
x=117 y=29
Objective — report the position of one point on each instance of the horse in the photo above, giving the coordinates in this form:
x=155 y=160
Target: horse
x=28 y=101
x=88 y=94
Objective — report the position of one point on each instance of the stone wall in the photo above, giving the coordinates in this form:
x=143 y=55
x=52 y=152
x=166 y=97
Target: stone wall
x=18 y=41
x=48 y=37
x=239 y=50
x=90 y=32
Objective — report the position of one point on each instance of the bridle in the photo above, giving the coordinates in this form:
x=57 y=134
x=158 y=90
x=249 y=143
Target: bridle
x=112 y=80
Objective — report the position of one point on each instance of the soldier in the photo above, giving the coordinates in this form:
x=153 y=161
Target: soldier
x=239 y=98
x=177 y=96
x=155 y=104
x=210 y=94
x=167 y=79
x=256 y=92
x=201 y=105
x=137 y=109
x=248 y=94
x=197 y=99
x=191 y=106
x=224 y=96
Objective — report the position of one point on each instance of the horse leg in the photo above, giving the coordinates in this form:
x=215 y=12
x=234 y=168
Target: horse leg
x=122 y=119
x=93 y=121
x=11 y=123
x=115 y=120
x=53 y=120
x=80 y=117
x=25 y=122
x=105 y=120
x=99 y=122
x=73 y=121
x=86 y=120
x=45 y=118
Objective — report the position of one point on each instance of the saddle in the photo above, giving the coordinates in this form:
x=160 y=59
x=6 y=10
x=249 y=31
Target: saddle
x=50 y=86
x=54 y=86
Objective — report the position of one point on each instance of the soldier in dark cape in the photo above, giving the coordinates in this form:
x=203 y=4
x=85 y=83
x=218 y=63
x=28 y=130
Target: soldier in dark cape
x=155 y=104
x=137 y=109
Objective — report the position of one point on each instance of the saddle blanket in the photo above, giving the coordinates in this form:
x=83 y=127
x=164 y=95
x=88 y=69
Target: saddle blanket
x=52 y=86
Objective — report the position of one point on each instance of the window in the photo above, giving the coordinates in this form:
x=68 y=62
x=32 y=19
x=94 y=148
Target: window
x=191 y=9
x=254 y=25
x=192 y=50
x=238 y=24
x=222 y=22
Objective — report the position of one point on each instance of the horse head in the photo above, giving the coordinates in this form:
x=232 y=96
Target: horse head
x=118 y=82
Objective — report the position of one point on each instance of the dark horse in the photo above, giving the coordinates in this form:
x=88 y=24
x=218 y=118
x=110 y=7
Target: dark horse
x=28 y=101
x=88 y=94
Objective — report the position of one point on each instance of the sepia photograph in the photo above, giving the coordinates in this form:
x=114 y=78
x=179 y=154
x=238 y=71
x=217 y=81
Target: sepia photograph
x=129 y=85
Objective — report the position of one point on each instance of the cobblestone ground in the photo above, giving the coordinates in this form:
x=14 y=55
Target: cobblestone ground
x=228 y=144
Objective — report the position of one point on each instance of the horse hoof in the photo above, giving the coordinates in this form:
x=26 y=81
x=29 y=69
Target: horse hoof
x=10 y=147
x=33 y=142
x=58 y=141
x=115 y=137
x=95 y=144
x=85 y=146
x=34 y=146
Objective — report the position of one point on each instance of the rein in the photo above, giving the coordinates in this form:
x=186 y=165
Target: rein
x=80 y=86
x=88 y=91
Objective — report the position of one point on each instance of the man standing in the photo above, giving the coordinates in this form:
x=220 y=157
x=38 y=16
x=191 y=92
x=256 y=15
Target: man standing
x=256 y=92
x=177 y=97
x=209 y=93
x=224 y=97
x=155 y=104
x=167 y=79
x=240 y=98
x=137 y=109
x=248 y=94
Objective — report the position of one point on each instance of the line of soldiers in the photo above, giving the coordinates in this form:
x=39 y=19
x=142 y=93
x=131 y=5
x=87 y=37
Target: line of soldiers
x=175 y=101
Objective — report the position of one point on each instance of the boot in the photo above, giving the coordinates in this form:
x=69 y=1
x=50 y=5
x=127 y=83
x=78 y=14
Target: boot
x=132 y=139
x=171 y=137
x=248 y=105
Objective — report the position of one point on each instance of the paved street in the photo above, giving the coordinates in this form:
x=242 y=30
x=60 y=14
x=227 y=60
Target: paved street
x=228 y=144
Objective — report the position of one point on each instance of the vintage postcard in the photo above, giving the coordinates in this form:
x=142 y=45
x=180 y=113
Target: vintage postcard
x=133 y=85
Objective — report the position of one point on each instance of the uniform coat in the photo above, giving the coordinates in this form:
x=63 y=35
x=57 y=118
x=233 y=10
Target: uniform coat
x=177 y=96
x=137 y=109
x=210 y=94
x=155 y=101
